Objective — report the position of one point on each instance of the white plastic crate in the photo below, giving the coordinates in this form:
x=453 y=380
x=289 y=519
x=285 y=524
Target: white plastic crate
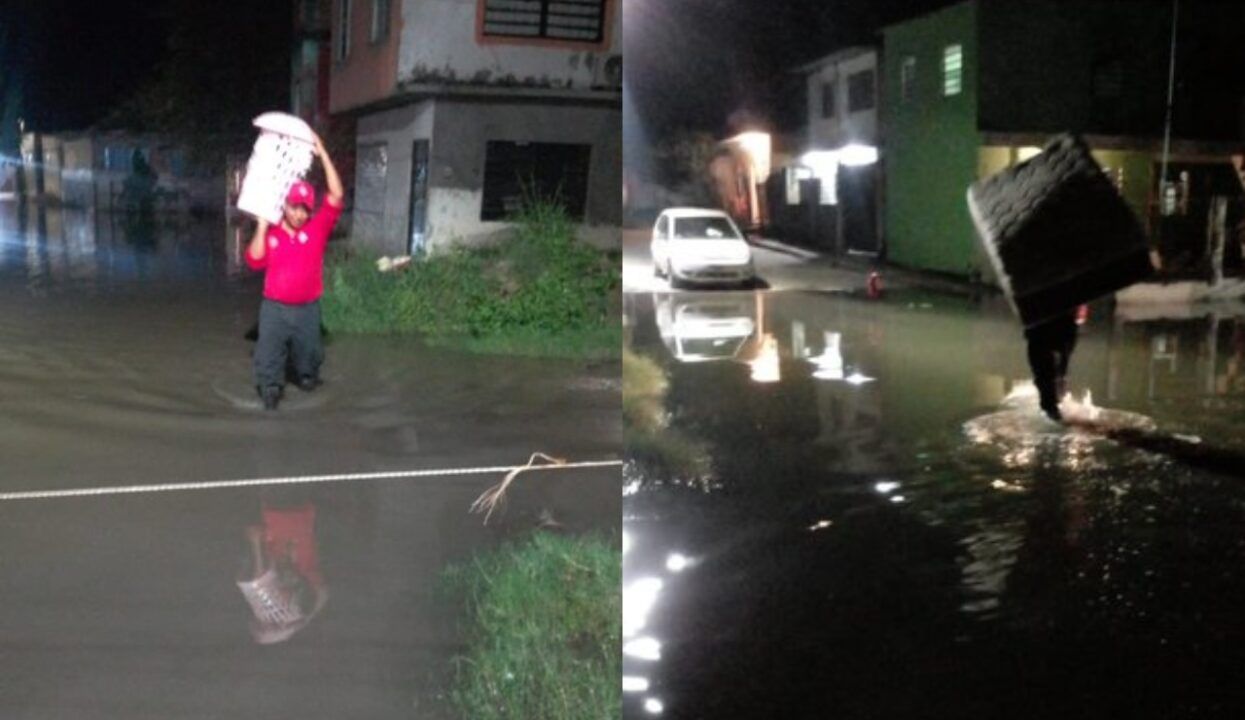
x=282 y=155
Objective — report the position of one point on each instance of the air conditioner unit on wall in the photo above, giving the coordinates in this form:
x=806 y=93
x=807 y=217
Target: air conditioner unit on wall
x=607 y=74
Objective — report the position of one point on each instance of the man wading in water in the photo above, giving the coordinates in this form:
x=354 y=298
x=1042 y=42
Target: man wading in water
x=292 y=256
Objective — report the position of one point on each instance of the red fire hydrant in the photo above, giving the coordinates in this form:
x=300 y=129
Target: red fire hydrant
x=873 y=288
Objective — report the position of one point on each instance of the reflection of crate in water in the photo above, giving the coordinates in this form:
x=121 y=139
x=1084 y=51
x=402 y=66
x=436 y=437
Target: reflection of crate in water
x=1057 y=231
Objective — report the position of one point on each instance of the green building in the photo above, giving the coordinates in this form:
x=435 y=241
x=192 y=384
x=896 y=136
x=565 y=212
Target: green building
x=978 y=86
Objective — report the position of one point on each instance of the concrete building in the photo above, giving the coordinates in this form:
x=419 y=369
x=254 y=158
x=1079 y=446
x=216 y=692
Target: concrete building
x=842 y=99
x=310 y=61
x=839 y=212
x=463 y=106
x=978 y=86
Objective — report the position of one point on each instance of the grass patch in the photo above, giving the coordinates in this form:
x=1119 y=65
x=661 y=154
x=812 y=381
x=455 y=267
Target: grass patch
x=664 y=452
x=592 y=343
x=539 y=292
x=544 y=631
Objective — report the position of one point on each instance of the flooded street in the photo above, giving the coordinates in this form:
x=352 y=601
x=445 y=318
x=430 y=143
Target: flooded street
x=123 y=363
x=854 y=509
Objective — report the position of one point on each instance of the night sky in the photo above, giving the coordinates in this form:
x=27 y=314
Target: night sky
x=77 y=59
x=715 y=65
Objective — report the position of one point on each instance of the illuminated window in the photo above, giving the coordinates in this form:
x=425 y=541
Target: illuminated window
x=343 y=29
x=907 y=79
x=860 y=91
x=572 y=20
x=827 y=100
x=380 y=20
x=953 y=70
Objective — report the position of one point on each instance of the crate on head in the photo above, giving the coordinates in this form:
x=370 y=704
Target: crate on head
x=282 y=155
x=1057 y=231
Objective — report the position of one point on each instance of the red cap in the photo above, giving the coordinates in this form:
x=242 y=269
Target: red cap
x=301 y=193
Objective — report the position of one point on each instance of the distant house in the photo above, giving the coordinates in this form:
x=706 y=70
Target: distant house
x=976 y=87
x=95 y=168
x=828 y=195
x=465 y=106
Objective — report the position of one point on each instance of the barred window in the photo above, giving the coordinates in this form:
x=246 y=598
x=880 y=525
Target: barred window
x=953 y=70
x=549 y=171
x=572 y=20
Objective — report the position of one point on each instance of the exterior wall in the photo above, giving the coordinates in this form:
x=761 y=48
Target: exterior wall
x=53 y=163
x=932 y=145
x=78 y=175
x=369 y=72
x=1038 y=62
x=845 y=127
x=457 y=52
x=458 y=153
x=381 y=223
x=459 y=130
x=311 y=60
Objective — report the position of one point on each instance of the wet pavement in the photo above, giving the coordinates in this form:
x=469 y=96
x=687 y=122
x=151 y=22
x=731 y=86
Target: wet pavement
x=778 y=267
x=857 y=511
x=123 y=362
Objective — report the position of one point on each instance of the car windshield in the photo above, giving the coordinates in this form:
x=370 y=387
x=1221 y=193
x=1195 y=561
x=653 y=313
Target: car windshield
x=704 y=228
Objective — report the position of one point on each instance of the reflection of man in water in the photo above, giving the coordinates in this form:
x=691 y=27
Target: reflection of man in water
x=1051 y=343
x=283 y=583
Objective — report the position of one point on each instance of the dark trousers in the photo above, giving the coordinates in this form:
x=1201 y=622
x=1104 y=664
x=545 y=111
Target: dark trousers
x=1050 y=348
x=287 y=332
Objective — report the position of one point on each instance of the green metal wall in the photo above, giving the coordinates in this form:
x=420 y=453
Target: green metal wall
x=931 y=144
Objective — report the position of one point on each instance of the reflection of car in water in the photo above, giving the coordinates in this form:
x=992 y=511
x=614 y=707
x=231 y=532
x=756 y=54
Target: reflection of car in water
x=698 y=328
x=694 y=245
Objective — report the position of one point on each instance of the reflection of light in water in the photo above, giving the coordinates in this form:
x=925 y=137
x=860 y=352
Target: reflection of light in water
x=1085 y=409
x=631 y=683
x=991 y=556
x=1023 y=436
x=1006 y=486
x=886 y=487
x=765 y=367
x=654 y=706
x=830 y=362
x=676 y=562
x=1022 y=391
x=638 y=600
x=631 y=488
x=820 y=525
x=858 y=379
x=645 y=648
x=898 y=498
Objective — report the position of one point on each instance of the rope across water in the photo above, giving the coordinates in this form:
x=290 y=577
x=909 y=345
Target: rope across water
x=305 y=479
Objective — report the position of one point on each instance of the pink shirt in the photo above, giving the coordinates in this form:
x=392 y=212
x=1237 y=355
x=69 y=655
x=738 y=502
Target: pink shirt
x=295 y=262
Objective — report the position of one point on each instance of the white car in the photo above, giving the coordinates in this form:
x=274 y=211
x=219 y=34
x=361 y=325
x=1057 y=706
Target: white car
x=701 y=246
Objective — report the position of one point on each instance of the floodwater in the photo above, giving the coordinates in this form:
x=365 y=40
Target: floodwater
x=857 y=511
x=123 y=363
